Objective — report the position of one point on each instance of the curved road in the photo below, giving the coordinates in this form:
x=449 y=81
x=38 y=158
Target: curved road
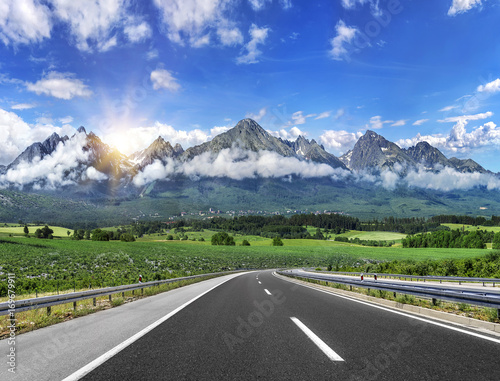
x=258 y=326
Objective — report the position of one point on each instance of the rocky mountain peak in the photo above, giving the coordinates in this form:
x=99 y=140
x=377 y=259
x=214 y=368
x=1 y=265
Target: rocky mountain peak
x=82 y=129
x=158 y=150
x=374 y=151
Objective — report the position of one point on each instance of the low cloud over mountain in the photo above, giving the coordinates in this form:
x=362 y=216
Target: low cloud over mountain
x=244 y=152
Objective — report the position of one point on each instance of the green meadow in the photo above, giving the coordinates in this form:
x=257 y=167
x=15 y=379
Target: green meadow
x=47 y=265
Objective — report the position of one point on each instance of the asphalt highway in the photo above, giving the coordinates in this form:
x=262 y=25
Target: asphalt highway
x=258 y=326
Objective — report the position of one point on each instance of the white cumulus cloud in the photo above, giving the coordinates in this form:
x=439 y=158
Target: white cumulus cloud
x=458 y=139
x=24 y=21
x=237 y=164
x=141 y=137
x=345 y=36
x=92 y=22
x=492 y=87
x=137 y=32
x=60 y=85
x=377 y=123
x=339 y=141
x=291 y=134
x=230 y=36
x=17 y=135
x=163 y=79
x=258 y=5
x=462 y=6
x=53 y=171
x=189 y=20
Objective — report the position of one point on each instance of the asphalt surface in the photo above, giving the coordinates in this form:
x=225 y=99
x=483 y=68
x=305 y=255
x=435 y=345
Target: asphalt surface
x=243 y=330
x=57 y=351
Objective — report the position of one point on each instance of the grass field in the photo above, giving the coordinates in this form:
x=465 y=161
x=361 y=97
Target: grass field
x=495 y=229
x=15 y=229
x=375 y=236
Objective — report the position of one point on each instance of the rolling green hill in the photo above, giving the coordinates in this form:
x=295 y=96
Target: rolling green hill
x=169 y=198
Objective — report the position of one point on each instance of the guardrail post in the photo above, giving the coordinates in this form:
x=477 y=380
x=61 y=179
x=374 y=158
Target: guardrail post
x=123 y=294
x=395 y=295
x=142 y=291
x=49 y=310
x=498 y=313
x=434 y=301
x=110 y=298
x=460 y=283
x=133 y=292
x=94 y=302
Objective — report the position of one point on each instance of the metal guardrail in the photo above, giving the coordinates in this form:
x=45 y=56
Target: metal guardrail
x=479 y=298
x=73 y=297
x=421 y=277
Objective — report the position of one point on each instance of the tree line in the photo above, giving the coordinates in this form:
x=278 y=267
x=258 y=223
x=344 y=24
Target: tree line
x=457 y=238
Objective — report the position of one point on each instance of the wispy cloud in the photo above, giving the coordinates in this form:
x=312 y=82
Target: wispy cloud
x=22 y=106
x=257 y=117
x=448 y=108
x=420 y=122
x=258 y=37
x=377 y=123
x=399 y=123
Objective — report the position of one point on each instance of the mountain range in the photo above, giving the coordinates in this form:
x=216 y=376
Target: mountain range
x=244 y=168
x=372 y=152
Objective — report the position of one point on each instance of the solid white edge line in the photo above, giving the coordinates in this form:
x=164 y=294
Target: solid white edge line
x=400 y=313
x=112 y=352
x=329 y=352
x=267 y=291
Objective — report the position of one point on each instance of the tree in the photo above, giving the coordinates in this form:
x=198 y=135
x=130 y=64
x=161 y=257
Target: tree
x=245 y=243
x=127 y=237
x=277 y=241
x=222 y=238
x=44 y=232
x=100 y=235
x=496 y=241
x=26 y=230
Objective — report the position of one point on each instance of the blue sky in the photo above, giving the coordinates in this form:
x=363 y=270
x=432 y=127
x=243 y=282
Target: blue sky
x=187 y=70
